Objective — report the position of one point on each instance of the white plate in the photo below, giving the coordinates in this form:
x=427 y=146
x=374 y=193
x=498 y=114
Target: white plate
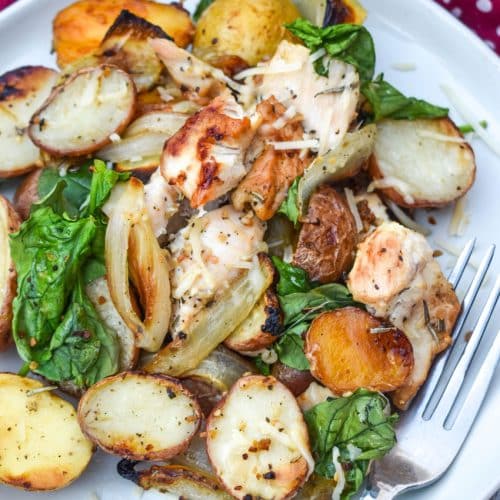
x=416 y=32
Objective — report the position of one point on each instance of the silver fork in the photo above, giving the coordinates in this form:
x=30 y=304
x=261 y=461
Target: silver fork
x=431 y=433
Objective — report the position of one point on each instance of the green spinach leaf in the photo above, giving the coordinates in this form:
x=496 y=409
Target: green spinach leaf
x=290 y=206
x=351 y=43
x=292 y=279
x=262 y=367
x=290 y=351
x=468 y=128
x=82 y=348
x=201 y=7
x=48 y=252
x=358 y=426
x=387 y=102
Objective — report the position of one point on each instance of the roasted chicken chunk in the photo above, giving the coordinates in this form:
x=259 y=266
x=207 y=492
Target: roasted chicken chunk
x=272 y=171
x=204 y=159
x=208 y=255
x=396 y=276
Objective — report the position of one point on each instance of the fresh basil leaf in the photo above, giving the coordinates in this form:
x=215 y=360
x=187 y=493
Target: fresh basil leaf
x=201 y=7
x=388 y=102
x=292 y=279
x=290 y=350
x=82 y=349
x=48 y=251
x=351 y=43
x=290 y=206
x=262 y=367
x=303 y=307
x=358 y=422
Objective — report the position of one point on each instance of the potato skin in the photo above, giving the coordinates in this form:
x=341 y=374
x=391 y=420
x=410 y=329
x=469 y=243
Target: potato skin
x=249 y=29
x=328 y=239
x=27 y=194
x=10 y=224
x=345 y=355
x=297 y=381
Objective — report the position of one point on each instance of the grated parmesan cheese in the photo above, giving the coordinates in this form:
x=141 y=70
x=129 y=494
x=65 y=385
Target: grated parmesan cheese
x=317 y=55
x=353 y=208
x=285 y=117
x=339 y=475
x=114 y=138
x=406 y=220
x=440 y=137
x=268 y=70
x=304 y=144
x=459 y=218
x=460 y=101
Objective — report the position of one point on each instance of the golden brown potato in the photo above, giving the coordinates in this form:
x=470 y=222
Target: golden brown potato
x=261 y=327
x=79 y=28
x=84 y=113
x=346 y=352
x=327 y=12
x=22 y=92
x=249 y=29
x=140 y=416
x=296 y=380
x=421 y=163
x=41 y=444
x=27 y=194
x=328 y=239
x=257 y=440
x=9 y=223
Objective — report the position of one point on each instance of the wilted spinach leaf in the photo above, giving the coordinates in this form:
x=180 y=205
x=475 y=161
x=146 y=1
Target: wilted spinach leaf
x=292 y=278
x=289 y=206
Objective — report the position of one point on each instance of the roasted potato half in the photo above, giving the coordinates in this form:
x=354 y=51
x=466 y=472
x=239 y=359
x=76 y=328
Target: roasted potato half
x=296 y=380
x=22 y=92
x=9 y=223
x=84 y=112
x=140 y=416
x=249 y=29
x=261 y=327
x=27 y=194
x=41 y=444
x=79 y=28
x=328 y=12
x=349 y=348
x=421 y=163
x=184 y=482
x=257 y=440
x=327 y=238
x=100 y=296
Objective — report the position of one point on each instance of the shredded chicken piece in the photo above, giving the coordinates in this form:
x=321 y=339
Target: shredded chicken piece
x=327 y=104
x=204 y=159
x=162 y=202
x=272 y=171
x=396 y=276
x=208 y=255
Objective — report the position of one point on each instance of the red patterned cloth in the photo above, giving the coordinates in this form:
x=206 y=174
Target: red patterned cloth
x=482 y=16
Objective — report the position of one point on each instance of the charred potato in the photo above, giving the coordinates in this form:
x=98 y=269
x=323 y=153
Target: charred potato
x=328 y=238
x=79 y=28
x=348 y=349
x=9 y=223
x=261 y=327
x=27 y=194
x=257 y=440
x=22 y=92
x=249 y=29
x=83 y=113
x=41 y=444
x=139 y=416
x=421 y=163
